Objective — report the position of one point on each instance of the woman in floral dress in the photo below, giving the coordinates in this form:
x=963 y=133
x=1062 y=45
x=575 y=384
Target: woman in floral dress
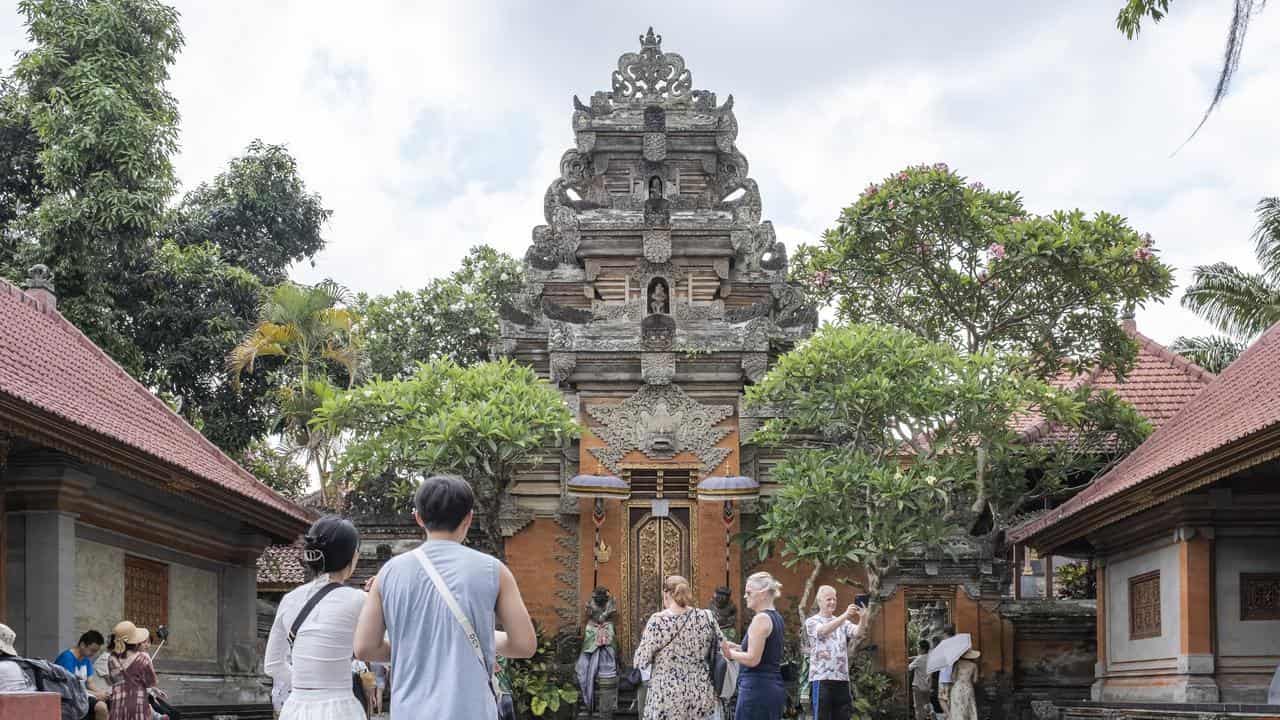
x=674 y=645
x=964 y=701
x=131 y=673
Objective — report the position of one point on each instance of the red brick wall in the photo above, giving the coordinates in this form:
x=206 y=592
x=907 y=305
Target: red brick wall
x=532 y=556
x=30 y=706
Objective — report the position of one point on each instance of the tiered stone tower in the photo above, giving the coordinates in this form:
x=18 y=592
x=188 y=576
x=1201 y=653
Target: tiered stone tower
x=655 y=294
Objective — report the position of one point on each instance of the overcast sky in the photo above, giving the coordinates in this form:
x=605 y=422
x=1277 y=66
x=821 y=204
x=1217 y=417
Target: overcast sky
x=429 y=128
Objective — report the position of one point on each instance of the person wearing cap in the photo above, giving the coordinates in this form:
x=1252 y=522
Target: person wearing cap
x=131 y=673
x=316 y=663
x=12 y=678
x=964 y=701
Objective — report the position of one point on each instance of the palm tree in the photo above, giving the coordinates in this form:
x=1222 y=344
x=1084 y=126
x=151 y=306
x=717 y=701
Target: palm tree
x=1240 y=304
x=313 y=333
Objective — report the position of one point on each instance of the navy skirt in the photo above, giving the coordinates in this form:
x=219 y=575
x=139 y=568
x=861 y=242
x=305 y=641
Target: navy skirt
x=760 y=697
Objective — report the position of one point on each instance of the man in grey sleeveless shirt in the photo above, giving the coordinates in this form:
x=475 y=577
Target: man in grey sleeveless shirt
x=408 y=621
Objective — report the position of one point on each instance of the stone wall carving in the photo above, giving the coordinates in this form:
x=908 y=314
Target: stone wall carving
x=658 y=368
x=642 y=421
x=610 y=311
x=562 y=366
x=657 y=246
x=755 y=365
x=698 y=312
x=651 y=76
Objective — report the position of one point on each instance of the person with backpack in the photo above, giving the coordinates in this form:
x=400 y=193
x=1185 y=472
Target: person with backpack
x=310 y=646
x=440 y=605
x=12 y=678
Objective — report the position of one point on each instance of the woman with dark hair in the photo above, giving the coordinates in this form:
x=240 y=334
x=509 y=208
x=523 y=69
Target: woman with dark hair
x=313 y=658
x=674 y=646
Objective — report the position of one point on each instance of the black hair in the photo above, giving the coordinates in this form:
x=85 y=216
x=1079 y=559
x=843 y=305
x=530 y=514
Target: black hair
x=92 y=637
x=924 y=645
x=443 y=502
x=949 y=630
x=330 y=544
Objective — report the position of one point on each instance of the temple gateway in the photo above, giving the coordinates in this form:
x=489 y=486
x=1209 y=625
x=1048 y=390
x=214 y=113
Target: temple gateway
x=655 y=294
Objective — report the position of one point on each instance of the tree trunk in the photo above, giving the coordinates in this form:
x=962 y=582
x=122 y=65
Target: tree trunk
x=804 y=600
x=488 y=522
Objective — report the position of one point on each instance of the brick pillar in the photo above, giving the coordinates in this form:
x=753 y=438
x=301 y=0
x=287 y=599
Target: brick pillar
x=893 y=640
x=1195 y=611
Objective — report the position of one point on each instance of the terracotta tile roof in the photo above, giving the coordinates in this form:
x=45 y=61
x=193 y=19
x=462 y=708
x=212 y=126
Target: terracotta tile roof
x=281 y=565
x=1159 y=385
x=1242 y=401
x=46 y=363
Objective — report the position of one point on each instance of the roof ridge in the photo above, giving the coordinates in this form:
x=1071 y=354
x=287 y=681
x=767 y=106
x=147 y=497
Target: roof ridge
x=78 y=336
x=1176 y=360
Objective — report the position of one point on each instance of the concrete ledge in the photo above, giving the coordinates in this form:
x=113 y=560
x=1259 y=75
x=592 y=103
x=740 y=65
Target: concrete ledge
x=31 y=706
x=1162 y=711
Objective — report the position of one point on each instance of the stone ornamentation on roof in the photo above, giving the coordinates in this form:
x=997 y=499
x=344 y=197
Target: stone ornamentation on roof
x=660 y=421
x=39 y=277
x=651 y=76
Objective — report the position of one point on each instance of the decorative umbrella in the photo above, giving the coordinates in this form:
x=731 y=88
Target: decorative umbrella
x=737 y=487
x=948 y=652
x=598 y=486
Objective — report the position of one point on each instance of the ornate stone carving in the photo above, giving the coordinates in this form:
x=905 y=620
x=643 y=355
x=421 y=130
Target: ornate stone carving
x=610 y=311
x=655 y=146
x=698 y=312
x=658 y=368
x=39 y=277
x=792 y=308
x=560 y=336
x=657 y=332
x=555 y=311
x=641 y=422
x=657 y=245
x=562 y=366
x=755 y=365
x=651 y=76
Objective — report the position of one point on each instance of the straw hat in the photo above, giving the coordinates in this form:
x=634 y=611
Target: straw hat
x=971 y=655
x=126 y=633
x=7 y=638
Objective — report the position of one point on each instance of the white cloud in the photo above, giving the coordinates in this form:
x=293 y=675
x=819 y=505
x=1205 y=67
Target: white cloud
x=431 y=127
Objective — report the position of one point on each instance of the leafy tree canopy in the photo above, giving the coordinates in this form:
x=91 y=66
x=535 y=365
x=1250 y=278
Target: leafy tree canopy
x=958 y=263
x=454 y=317
x=94 y=84
x=276 y=468
x=481 y=422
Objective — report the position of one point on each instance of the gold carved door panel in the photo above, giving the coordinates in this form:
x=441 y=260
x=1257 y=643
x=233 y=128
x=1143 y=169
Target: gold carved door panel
x=659 y=548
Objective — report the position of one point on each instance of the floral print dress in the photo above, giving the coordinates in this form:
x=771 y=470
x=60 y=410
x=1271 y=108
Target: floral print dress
x=675 y=646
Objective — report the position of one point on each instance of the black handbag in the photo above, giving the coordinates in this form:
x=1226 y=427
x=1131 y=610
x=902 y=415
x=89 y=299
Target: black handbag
x=716 y=664
x=630 y=680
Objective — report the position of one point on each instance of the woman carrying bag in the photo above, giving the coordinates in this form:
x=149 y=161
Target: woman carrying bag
x=674 y=647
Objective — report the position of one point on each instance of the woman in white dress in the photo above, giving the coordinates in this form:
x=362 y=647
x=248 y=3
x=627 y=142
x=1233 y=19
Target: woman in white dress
x=318 y=668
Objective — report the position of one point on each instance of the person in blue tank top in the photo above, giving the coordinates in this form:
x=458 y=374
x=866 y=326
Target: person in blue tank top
x=761 y=695
x=443 y=663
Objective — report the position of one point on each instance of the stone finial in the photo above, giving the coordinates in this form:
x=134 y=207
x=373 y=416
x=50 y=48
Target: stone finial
x=1127 y=319
x=39 y=285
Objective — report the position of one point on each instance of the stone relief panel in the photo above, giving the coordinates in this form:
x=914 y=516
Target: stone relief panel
x=657 y=246
x=661 y=421
x=658 y=368
x=651 y=76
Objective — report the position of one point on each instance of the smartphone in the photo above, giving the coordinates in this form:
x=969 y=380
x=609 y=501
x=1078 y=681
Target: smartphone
x=861 y=600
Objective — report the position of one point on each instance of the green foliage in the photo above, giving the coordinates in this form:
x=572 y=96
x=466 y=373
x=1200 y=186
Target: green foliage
x=873 y=691
x=257 y=212
x=1075 y=581
x=312 y=336
x=539 y=684
x=21 y=184
x=1241 y=304
x=454 y=317
x=94 y=86
x=1129 y=21
x=958 y=263
x=276 y=468
x=481 y=422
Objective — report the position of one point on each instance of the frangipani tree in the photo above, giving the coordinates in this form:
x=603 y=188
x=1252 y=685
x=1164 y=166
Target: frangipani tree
x=482 y=422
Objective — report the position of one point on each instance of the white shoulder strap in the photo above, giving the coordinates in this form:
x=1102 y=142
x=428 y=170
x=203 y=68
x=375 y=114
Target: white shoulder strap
x=452 y=602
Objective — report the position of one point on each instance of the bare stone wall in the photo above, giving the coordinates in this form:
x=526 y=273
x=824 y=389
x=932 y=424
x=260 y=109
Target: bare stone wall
x=193 y=614
x=99 y=593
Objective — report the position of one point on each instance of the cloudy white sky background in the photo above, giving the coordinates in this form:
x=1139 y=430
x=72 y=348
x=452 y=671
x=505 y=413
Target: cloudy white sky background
x=432 y=127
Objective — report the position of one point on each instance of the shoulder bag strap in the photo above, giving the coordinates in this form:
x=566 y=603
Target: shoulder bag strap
x=306 y=609
x=447 y=595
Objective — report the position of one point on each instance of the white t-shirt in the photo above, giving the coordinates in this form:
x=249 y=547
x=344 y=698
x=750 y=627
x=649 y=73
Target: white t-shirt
x=13 y=679
x=829 y=656
x=323 y=649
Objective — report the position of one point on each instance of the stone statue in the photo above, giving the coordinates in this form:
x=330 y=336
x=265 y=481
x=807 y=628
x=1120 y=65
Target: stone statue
x=726 y=613
x=597 y=667
x=658 y=299
x=655 y=188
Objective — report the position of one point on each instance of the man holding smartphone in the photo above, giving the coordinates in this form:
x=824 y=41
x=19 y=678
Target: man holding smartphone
x=829 y=636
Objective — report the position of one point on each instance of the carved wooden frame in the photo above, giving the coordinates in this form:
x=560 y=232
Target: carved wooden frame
x=1143 y=632
x=1250 y=613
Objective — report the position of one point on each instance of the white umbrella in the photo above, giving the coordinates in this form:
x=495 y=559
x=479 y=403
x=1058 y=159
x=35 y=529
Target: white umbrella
x=948 y=652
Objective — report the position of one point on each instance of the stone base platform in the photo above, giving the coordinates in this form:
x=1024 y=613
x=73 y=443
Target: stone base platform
x=1161 y=711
